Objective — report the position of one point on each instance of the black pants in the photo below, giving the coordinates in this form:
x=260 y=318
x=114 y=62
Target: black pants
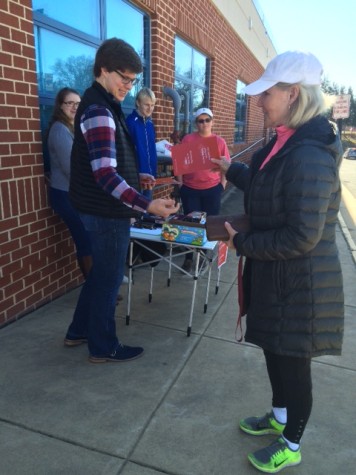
x=207 y=200
x=291 y=383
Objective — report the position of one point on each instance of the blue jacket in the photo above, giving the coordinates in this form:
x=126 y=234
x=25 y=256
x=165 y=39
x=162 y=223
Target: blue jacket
x=144 y=136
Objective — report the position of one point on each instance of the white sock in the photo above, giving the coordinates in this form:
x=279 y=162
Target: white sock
x=280 y=414
x=291 y=445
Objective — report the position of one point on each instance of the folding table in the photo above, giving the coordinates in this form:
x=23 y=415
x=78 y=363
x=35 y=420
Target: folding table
x=143 y=238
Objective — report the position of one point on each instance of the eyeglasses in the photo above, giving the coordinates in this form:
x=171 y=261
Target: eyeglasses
x=207 y=120
x=127 y=80
x=71 y=103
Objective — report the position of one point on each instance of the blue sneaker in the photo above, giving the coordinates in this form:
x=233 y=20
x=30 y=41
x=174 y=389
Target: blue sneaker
x=121 y=354
x=275 y=457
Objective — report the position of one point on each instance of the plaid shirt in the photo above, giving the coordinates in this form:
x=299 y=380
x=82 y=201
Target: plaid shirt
x=98 y=128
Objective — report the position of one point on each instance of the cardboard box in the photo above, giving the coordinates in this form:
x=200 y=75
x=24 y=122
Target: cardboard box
x=186 y=230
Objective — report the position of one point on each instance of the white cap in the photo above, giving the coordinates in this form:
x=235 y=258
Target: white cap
x=203 y=110
x=291 y=67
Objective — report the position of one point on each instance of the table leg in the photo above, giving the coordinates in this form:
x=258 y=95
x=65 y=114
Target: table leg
x=196 y=274
x=129 y=285
x=170 y=265
x=208 y=284
x=218 y=281
x=151 y=286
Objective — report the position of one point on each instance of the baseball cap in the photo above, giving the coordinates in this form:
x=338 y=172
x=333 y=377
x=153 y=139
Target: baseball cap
x=203 y=110
x=290 y=67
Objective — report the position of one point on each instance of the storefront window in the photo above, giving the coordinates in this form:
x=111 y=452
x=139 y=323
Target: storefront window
x=191 y=76
x=67 y=35
x=62 y=62
x=79 y=14
x=240 y=113
x=124 y=21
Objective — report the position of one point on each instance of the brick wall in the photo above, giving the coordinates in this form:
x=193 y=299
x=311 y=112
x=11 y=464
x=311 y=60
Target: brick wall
x=37 y=259
x=36 y=252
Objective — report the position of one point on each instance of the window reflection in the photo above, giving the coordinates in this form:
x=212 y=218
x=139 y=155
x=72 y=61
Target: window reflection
x=124 y=21
x=199 y=68
x=198 y=98
x=191 y=75
x=80 y=14
x=183 y=59
x=240 y=113
x=62 y=62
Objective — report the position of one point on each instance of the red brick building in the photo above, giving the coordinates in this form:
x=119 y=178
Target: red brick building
x=206 y=50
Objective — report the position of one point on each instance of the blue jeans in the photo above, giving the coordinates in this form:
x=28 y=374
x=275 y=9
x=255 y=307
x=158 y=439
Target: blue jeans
x=94 y=316
x=60 y=203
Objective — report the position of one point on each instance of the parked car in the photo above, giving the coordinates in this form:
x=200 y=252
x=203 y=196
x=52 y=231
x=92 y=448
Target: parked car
x=350 y=153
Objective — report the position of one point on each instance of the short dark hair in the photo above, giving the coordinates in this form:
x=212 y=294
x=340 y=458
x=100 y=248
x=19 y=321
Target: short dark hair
x=116 y=54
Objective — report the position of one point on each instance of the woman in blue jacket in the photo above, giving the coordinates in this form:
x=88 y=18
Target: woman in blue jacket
x=142 y=131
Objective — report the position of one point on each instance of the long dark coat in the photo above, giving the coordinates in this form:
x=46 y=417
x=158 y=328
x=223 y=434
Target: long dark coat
x=293 y=280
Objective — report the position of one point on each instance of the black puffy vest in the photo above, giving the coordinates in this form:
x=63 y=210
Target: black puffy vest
x=85 y=194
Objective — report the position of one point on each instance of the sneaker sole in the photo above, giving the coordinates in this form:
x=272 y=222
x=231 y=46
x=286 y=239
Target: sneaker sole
x=74 y=342
x=275 y=470
x=95 y=360
x=261 y=432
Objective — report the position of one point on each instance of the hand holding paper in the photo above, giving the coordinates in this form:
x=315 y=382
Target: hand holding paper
x=147 y=181
x=194 y=156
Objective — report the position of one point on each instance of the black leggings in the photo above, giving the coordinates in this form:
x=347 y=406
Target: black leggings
x=291 y=383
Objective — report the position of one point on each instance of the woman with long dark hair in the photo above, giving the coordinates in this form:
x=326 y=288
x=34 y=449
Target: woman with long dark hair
x=60 y=141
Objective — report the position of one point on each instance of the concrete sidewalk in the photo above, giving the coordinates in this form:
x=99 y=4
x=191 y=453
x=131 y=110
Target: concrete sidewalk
x=173 y=411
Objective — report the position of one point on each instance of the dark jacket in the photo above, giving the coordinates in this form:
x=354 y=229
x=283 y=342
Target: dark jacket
x=144 y=137
x=293 y=280
x=85 y=194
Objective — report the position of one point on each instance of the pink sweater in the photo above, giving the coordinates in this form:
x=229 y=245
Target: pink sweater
x=283 y=134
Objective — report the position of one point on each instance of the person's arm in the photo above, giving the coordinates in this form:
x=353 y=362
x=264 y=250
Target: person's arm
x=99 y=128
x=225 y=155
x=308 y=183
x=60 y=142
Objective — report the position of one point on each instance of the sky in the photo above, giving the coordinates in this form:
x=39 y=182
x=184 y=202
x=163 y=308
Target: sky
x=326 y=28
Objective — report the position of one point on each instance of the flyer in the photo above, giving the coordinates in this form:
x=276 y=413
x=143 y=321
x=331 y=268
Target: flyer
x=194 y=156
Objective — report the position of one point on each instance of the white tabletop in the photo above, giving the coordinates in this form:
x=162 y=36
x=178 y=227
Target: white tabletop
x=155 y=235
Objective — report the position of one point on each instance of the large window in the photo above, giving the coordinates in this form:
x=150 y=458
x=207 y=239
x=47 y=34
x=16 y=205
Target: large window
x=240 y=113
x=191 y=77
x=67 y=35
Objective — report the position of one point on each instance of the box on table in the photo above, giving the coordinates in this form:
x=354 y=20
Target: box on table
x=188 y=229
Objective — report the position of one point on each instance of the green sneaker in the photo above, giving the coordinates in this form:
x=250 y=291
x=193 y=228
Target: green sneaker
x=275 y=457
x=264 y=425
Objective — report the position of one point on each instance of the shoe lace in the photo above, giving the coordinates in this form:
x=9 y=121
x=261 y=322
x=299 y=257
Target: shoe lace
x=120 y=345
x=264 y=421
x=277 y=451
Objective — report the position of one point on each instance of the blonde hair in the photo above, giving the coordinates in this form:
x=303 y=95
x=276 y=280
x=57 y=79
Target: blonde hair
x=309 y=103
x=145 y=92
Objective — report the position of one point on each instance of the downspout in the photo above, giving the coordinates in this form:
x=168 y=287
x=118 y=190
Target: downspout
x=177 y=102
x=185 y=94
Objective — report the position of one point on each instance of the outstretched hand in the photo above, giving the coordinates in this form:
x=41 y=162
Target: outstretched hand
x=223 y=164
x=163 y=207
x=232 y=232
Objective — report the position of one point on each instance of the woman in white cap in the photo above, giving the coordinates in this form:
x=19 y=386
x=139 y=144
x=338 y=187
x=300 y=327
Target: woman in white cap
x=201 y=191
x=292 y=277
